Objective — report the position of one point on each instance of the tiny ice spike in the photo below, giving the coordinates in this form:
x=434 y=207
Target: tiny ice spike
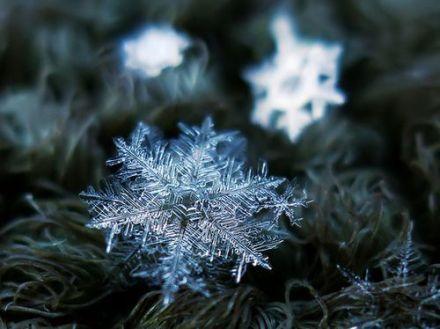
x=190 y=206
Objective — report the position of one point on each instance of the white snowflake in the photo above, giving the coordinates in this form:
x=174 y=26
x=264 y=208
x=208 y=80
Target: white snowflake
x=157 y=47
x=190 y=208
x=294 y=87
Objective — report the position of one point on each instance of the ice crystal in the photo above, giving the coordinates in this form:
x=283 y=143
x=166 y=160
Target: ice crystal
x=402 y=261
x=407 y=256
x=407 y=289
x=362 y=284
x=294 y=87
x=190 y=208
x=153 y=50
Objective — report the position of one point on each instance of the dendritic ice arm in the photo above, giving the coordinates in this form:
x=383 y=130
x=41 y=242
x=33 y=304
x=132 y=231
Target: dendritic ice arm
x=176 y=265
x=191 y=208
x=296 y=85
x=287 y=204
x=197 y=153
x=119 y=210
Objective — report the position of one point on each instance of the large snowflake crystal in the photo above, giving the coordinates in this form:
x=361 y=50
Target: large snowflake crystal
x=294 y=87
x=190 y=207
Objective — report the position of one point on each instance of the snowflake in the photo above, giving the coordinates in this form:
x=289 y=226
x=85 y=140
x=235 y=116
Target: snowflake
x=190 y=207
x=294 y=87
x=154 y=49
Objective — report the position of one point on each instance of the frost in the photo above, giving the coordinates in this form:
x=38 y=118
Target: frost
x=403 y=259
x=407 y=256
x=407 y=288
x=362 y=284
x=154 y=49
x=295 y=86
x=190 y=207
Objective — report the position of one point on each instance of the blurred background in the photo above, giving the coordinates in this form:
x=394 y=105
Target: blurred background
x=370 y=165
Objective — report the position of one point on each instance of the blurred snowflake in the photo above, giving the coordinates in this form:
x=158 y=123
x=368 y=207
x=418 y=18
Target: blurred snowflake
x=154 y=49
x=294 y=87
x=190 y=208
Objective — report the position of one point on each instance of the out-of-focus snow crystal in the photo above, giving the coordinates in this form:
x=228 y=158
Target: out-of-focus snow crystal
x=189 y=209
x=153 y=50
x=295 y=86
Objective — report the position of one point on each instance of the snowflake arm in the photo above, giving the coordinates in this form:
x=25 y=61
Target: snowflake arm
x=145 y=156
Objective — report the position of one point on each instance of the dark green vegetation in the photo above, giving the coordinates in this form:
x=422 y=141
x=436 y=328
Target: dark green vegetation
x=370 y=167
